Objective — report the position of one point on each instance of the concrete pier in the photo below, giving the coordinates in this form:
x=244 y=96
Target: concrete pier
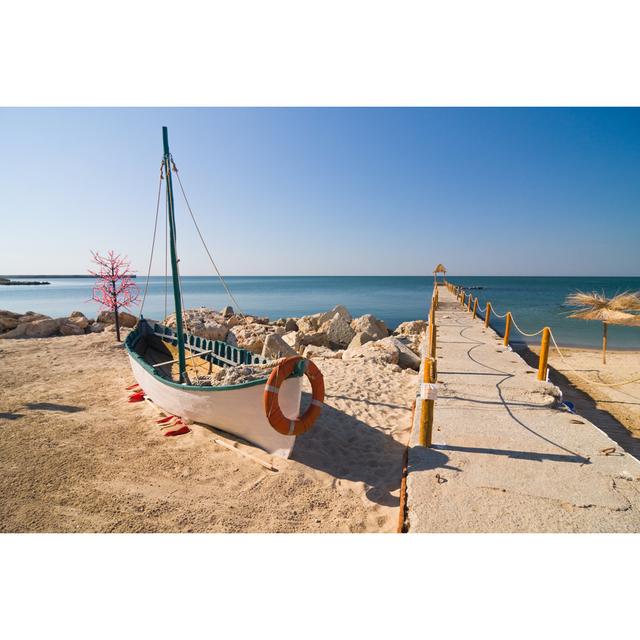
x=507 y=456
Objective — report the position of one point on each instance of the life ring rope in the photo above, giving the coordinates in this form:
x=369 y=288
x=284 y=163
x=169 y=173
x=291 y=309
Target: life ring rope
x=277 y=419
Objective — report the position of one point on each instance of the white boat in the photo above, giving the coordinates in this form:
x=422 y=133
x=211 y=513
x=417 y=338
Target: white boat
x=175 y=384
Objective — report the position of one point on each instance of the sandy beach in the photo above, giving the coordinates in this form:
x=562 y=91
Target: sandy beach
x=77 y=457
x=621 y=403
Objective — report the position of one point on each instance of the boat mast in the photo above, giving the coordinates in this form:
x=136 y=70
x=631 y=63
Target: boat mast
x=174 y=261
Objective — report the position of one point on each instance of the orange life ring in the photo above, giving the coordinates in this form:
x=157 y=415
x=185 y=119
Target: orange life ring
x=276 y=418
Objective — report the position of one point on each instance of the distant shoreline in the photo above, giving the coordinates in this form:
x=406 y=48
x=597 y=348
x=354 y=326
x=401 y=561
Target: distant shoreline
x=50 y=276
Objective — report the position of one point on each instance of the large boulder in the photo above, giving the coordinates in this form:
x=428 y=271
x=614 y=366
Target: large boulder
x=109 y=317
x=407 y=359
x=413 y=327
x=252 y=336
x=312 y=352
x=31 y=316
x=316 y=338
x=41 y=328
x=18 y=332
x=227 y=312
x=359 y=339
x=293 y=339
x=291 y=325
x=275 y=347
x=329 y=315
x=8 y=320
x=70 y=328
x=368 y=323
x=380 y=352
x=95 y=327
x=339 y=332
x=309 y=324
x=79 y=319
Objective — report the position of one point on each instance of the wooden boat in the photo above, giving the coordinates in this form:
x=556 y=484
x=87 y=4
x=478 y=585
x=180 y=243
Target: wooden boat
x=172 y=379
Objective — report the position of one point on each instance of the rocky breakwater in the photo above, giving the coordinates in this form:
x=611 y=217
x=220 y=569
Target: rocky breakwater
x=37 y=325
x=329 y=334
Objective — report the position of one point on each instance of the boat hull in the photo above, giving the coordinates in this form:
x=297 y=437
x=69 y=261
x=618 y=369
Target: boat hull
x=237 y=411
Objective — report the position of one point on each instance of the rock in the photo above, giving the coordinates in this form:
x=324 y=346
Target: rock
x=312 y=352
x=109 y=317
x=368 y=323
x=256 y=320
x=380 y=352
x=41 y=328
x=291 y=325
x=412 y=327
x=309 y=324
x=276 y=347
x=18 y=332
x=227 y=312
x=329 y=315
x=339 y=331
x=359 y=339
x=210 y=331
x=79 y=319
x=71 y=329
x=252 y=336
x=31 y=316
x=8 y=320
x=96 y=327
x=294 y=340
x=233 y=321
x=412 y=341
x=280 y=322
x=231 y=339
x=317 y=339
x=407 y=359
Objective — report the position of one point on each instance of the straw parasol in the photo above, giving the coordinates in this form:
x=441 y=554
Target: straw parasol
x=440 y=268
x=596 y=306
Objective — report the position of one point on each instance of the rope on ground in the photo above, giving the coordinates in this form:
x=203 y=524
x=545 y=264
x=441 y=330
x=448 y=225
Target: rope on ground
x=204 y=244
x=153 y=244
x=592 y=382
x=530 y=335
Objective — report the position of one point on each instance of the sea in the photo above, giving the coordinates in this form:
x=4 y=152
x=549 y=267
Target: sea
x=533 y=301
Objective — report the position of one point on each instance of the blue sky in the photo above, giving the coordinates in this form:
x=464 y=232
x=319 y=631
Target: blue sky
x=328 y=191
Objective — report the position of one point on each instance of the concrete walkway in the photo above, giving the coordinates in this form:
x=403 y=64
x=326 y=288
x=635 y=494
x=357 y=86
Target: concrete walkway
x=507 y=456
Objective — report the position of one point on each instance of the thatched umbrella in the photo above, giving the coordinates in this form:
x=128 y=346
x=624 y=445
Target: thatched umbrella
x=440 y=268
x=596 y=306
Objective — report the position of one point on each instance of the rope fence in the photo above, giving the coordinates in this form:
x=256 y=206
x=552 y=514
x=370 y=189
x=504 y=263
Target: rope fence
x=545 y=332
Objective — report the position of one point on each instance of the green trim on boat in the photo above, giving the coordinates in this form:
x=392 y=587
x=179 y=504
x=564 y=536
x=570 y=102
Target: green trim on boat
x=136 y=334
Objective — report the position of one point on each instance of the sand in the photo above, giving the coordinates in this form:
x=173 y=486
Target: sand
x=75 y=456
x=621 y=404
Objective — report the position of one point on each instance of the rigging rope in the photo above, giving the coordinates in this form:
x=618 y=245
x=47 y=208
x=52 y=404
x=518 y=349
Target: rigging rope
x=204 y=244
x=153 y=243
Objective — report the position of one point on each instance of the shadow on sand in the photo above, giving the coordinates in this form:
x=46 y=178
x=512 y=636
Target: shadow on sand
x=347 y=448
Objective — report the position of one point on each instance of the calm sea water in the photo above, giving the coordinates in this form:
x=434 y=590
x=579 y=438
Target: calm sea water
x=534 y=301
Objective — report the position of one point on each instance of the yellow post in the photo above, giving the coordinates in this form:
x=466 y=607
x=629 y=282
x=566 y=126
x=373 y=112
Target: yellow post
x=433 y=335
x=475 y=308
x=425 y=435
x=469 y=305
x=507 y=328
x=487 y=316
x=544 y=355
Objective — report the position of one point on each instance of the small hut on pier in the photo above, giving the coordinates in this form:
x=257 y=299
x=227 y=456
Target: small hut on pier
x=440 y=268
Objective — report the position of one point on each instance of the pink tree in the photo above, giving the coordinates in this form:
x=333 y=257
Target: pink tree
x=115 y=288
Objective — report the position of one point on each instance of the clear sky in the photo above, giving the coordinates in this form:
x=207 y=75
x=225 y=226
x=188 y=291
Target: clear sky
x=328 y=191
